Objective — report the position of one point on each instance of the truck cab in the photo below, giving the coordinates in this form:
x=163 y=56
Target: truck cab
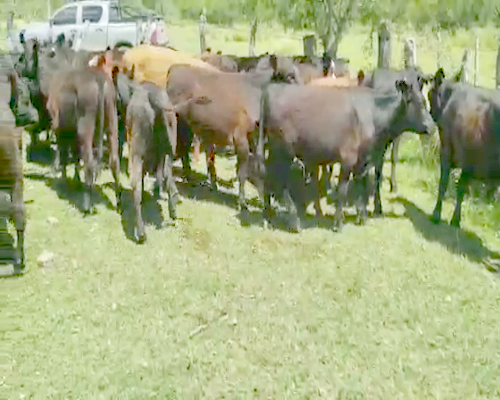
x=95 y=25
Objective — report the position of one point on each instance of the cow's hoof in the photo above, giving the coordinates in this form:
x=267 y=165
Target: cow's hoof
x=172 y=212
x=18 y=261
x=455 y=222
x=19 y=269
x=294 y=226
x=141 y=238
x=436 y=218
x=361 y=221
x=265 y=224
x=337 y=226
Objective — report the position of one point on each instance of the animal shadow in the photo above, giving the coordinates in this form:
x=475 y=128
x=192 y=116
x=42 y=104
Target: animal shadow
x=456 y=240
x=151 y=212
x=41 y=153
x=198 y=178
x=72 y=191
x=203 y=192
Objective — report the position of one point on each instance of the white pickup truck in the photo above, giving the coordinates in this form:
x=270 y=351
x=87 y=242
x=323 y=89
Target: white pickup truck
x=96 y=24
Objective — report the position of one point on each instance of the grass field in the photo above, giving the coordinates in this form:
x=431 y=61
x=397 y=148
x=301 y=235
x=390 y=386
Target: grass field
x=218 y=307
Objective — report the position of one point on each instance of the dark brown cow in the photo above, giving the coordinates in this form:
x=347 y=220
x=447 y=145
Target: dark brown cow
x=152 y=135
x=228 y=119
x=81 y=103
x=383 y=81
x=322 y=125
x=469 y=127
x=11 y=182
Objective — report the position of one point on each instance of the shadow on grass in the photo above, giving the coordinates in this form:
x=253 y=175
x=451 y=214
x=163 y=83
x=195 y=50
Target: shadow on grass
x=456 y=240
x=41 y=153
x=196 y=191
x=196 y=177
x=151 y=212
x=72 y=191
x=280 y=220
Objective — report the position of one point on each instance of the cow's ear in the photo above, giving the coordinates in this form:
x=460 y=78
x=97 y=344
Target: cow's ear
x=114 y=74
x=361 y=77
x=402 y=85
x=439 y=77
x=421 y=82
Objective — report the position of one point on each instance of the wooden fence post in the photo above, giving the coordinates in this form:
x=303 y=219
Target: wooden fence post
x=498 y=68
x=410 y=53
x=203 y=30
x=384 y=46
x=439 y=51
x=476 y=62
x=309 y=42
x=253 y=38
x=465 y=77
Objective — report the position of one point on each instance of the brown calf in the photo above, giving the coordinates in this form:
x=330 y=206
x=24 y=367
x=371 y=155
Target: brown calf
x=228 y=119
x=151 y=134
x=11 y=182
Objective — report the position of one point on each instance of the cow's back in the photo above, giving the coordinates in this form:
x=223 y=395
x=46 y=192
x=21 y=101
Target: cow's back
x=10 y=156
x=470 y=130
x=315 y=120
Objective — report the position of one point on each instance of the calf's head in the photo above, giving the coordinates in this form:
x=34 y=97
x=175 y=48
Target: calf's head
x=30 y=67
x=20 y=104
x=414 y=115
x=438 y=94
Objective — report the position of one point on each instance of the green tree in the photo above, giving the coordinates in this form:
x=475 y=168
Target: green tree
x=330 y=19
x=256 y=12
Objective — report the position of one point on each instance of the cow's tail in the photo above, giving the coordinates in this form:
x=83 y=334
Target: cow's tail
x=263 y=120
x=101 y=115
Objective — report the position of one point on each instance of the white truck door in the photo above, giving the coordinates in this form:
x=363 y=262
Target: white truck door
x=65 y=21
x=94 y=32
x=120 y=29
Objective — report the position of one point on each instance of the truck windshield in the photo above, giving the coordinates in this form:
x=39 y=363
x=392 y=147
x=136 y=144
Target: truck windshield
x=65 y=16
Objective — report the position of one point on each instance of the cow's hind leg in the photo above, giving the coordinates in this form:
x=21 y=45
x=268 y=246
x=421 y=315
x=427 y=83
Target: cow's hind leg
x=158 y=181
x=171 y=188
x=394 y=161
x=137 y=179
x=19 y=219
x=243 y=152
x=461 y=189
x=443 y=184
x=362 y=183
x=212 y=176
x=315 y=178
x=379 y=164
x=184 y=140
x=86 y=138
x=342 y=189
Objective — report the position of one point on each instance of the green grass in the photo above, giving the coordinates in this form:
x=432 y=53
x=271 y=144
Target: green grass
x=398 y=308
x=213 y=307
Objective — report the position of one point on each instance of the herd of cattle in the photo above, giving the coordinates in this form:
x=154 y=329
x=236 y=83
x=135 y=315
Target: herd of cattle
x=276 y=112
